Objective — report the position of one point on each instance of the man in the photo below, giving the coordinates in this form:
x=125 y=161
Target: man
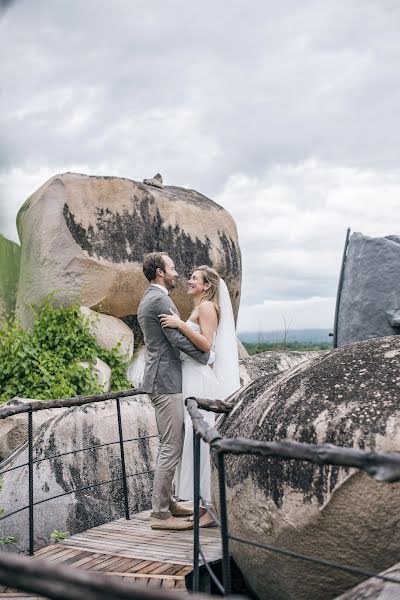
x=163 y=383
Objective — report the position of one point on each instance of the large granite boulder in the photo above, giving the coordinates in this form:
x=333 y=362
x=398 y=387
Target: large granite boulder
x=369 y=304
x=14 y=430
x=84 y=238
x=349 y=397
x=76 y=428
x=10 y=254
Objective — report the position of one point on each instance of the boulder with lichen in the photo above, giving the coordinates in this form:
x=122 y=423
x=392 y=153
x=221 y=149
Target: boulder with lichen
x=84 y=239
x=348 y=397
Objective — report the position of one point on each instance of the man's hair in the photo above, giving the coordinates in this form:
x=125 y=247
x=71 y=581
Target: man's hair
x=152 y=262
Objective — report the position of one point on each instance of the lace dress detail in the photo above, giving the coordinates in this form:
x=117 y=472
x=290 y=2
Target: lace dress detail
x=197 y=380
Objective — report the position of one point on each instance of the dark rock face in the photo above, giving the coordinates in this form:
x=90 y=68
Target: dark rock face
x=370 y=298
x=86 y=237
x=348 y=397
x=78 y=428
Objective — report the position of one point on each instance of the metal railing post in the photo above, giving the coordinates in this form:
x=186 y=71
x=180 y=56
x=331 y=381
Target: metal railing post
x=123 y=467
x=30 y=484
x=196 y=515
x=226 y=564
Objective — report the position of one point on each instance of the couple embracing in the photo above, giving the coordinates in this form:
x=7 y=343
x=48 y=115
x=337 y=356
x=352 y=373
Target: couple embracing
x=193 y=358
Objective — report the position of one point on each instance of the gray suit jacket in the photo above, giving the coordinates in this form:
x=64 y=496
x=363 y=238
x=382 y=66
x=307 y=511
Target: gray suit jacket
x=163 y=370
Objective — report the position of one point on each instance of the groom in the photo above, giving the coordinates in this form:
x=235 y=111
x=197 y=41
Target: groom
x=163 y=383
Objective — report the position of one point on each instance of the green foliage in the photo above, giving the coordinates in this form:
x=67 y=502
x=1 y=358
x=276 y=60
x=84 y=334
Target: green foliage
x=256 y=348
x=42 y=363
x=59 y=536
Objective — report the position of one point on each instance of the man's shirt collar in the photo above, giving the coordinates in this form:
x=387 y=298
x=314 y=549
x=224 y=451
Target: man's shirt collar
x=161 y=287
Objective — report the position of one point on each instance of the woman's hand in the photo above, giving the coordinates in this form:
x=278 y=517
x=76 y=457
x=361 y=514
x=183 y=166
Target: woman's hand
x=172 y=320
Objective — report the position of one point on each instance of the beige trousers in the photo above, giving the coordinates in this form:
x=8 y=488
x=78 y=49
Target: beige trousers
x=169 y=417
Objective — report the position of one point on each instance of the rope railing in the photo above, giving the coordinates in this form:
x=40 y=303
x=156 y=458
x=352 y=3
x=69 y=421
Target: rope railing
x=67 y=583
x=382 y=466
x=29 y=408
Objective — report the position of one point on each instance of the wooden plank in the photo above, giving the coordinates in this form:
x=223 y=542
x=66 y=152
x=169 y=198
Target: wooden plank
x=145 y=576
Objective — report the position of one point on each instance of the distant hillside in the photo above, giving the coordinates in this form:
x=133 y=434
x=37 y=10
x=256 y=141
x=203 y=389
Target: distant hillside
x=9 y=272
x=304 y=336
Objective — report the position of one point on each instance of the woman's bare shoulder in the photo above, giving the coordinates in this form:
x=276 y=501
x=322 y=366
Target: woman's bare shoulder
x=207 y=308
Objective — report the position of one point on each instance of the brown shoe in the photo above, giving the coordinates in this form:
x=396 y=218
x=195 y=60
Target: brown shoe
x=171 y=523
x=177 y=510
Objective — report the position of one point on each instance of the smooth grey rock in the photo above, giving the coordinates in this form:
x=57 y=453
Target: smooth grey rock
x=110 y=332
x=135 y=371
x=14 y=430
x=371 y=289
x=393 y=316
x=271 y=364
x=348 y=397
x=375 y=589
x=101 y=370
x=76 y=428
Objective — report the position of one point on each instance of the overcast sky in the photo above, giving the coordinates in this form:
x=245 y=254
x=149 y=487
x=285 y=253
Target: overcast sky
x=285 y=113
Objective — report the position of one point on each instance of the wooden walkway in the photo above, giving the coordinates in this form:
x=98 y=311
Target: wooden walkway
x=131 y=549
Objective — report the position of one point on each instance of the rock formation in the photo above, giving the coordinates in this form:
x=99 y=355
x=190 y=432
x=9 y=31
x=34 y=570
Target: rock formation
x=348 y=397
x=271 y=364
x=10 y=254
x=82 y=427
x=110 y=332
x=370 y=297
x=84 y=239
x=14 y=430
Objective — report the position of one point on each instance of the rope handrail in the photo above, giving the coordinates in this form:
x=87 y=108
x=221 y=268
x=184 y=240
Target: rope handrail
x=383 y=466
x=35 y=405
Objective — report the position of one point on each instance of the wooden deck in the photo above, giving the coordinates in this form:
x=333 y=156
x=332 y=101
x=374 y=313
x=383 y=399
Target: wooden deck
x=131 y=549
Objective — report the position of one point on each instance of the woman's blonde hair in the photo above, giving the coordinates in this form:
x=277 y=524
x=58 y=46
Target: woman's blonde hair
x=210 y=276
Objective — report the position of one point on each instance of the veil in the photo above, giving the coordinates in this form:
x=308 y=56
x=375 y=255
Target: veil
x=226 y=364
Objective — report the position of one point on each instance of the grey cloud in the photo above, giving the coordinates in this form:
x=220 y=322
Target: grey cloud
x=204 y=91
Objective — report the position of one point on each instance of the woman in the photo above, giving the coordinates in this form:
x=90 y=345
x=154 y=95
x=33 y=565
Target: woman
x=210 y=326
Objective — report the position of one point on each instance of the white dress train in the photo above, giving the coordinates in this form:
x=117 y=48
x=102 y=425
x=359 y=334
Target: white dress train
x=202 y=381
x=199 y=381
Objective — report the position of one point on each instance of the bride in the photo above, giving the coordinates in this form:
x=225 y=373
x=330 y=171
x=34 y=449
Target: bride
x=210 y=326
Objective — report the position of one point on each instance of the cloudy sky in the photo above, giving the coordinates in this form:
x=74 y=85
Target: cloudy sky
x=285 y=113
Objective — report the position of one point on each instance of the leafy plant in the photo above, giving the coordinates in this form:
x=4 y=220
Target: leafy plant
x=42 y=362
x=59 y=536
x=7 y=539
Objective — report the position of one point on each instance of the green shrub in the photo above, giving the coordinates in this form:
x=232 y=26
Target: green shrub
x=42 y=362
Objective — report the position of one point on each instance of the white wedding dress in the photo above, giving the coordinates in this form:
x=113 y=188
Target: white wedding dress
x=204 y=382
x=199 y=381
